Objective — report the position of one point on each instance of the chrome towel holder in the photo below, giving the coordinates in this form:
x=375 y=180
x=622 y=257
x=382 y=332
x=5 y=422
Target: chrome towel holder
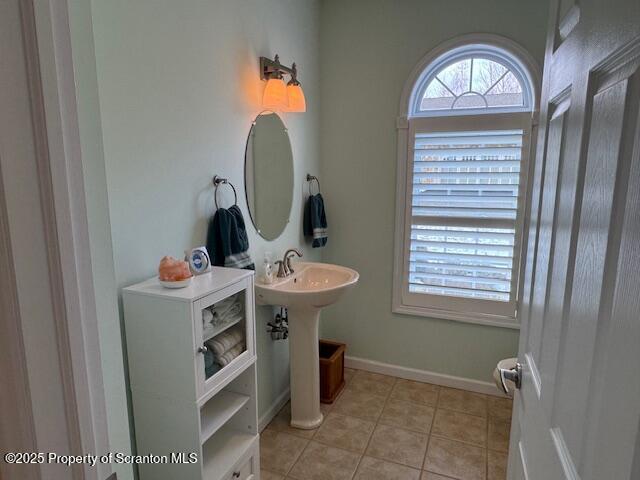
x=311 y=178
x=217 y=181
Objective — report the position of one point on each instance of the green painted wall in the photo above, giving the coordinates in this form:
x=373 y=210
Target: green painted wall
x=178 y=87
x=368 y=49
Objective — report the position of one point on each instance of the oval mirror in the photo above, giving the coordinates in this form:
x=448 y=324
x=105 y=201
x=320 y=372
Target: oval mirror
x=268 y=175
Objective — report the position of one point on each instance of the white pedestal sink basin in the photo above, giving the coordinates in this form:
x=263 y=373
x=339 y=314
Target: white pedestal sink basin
x=311 y=287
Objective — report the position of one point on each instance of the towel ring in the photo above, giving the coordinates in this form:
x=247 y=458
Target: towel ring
x=217 y=181
x=310 y=179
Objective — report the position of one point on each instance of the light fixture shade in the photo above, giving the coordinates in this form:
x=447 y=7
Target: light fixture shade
x=297 y=102
x=275 y=95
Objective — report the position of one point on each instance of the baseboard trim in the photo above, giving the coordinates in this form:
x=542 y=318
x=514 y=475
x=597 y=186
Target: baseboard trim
x=407 y=373
x=273 y=410
x=426 y=376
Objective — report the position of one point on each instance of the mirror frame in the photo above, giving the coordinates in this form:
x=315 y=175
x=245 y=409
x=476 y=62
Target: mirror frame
x=293 y=170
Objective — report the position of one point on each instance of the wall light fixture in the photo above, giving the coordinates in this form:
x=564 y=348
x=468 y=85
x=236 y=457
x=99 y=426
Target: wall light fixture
x=277 y=95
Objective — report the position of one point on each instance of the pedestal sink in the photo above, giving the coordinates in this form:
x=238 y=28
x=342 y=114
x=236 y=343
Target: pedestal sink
x=311 y=287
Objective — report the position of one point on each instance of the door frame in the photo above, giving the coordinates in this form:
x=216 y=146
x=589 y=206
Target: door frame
x=60 y=184
x=17 y=432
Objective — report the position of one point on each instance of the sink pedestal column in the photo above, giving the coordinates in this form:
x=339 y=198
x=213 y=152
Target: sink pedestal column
x=305 y=367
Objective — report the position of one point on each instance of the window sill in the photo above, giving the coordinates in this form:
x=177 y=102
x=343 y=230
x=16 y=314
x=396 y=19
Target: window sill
x=478 y=319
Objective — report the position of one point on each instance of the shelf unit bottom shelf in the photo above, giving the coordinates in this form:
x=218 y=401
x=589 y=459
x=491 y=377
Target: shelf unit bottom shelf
x=218 y=410
x=223 y=451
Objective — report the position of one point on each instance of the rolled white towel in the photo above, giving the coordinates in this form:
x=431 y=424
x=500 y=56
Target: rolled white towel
x=226 y=340
x=232 y=310
x=224 y=317
x=222 y=305
x=223 y=309
x=208 y=330
x=229 y=355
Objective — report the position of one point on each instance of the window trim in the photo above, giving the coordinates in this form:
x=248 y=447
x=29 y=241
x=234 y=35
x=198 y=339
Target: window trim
x=478 y=50
x=407 y=122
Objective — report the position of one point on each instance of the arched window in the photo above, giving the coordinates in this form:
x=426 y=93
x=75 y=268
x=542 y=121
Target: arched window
x=462 y=172
x=470 y=79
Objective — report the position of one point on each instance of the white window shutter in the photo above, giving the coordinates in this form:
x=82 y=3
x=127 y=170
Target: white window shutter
x=464 y=207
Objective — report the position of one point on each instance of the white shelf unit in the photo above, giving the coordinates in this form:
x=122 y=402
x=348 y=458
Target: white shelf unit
x=177 y=406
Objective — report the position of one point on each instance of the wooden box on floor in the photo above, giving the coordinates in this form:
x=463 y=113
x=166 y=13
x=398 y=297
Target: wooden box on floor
x=331 y=370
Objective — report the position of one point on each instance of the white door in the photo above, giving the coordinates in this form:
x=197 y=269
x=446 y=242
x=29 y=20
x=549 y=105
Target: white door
x=51 y=384
x=577 y=414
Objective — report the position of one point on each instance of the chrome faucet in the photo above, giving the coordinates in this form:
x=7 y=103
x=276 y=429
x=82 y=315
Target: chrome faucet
x=284 y=266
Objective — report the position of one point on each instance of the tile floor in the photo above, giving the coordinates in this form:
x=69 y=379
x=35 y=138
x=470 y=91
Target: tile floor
x=387 y=428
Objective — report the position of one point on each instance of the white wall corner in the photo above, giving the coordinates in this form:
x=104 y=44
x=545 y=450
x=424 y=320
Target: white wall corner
x=273 y=410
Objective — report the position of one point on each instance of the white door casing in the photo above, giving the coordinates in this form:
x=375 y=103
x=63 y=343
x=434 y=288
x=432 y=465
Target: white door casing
x=578 y=412
x=49 y=298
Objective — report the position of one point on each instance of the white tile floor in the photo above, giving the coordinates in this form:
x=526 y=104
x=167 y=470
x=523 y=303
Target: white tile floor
x=386 y=428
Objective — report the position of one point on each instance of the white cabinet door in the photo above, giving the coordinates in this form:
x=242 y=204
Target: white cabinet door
x=577 y=414
x=209 y=378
